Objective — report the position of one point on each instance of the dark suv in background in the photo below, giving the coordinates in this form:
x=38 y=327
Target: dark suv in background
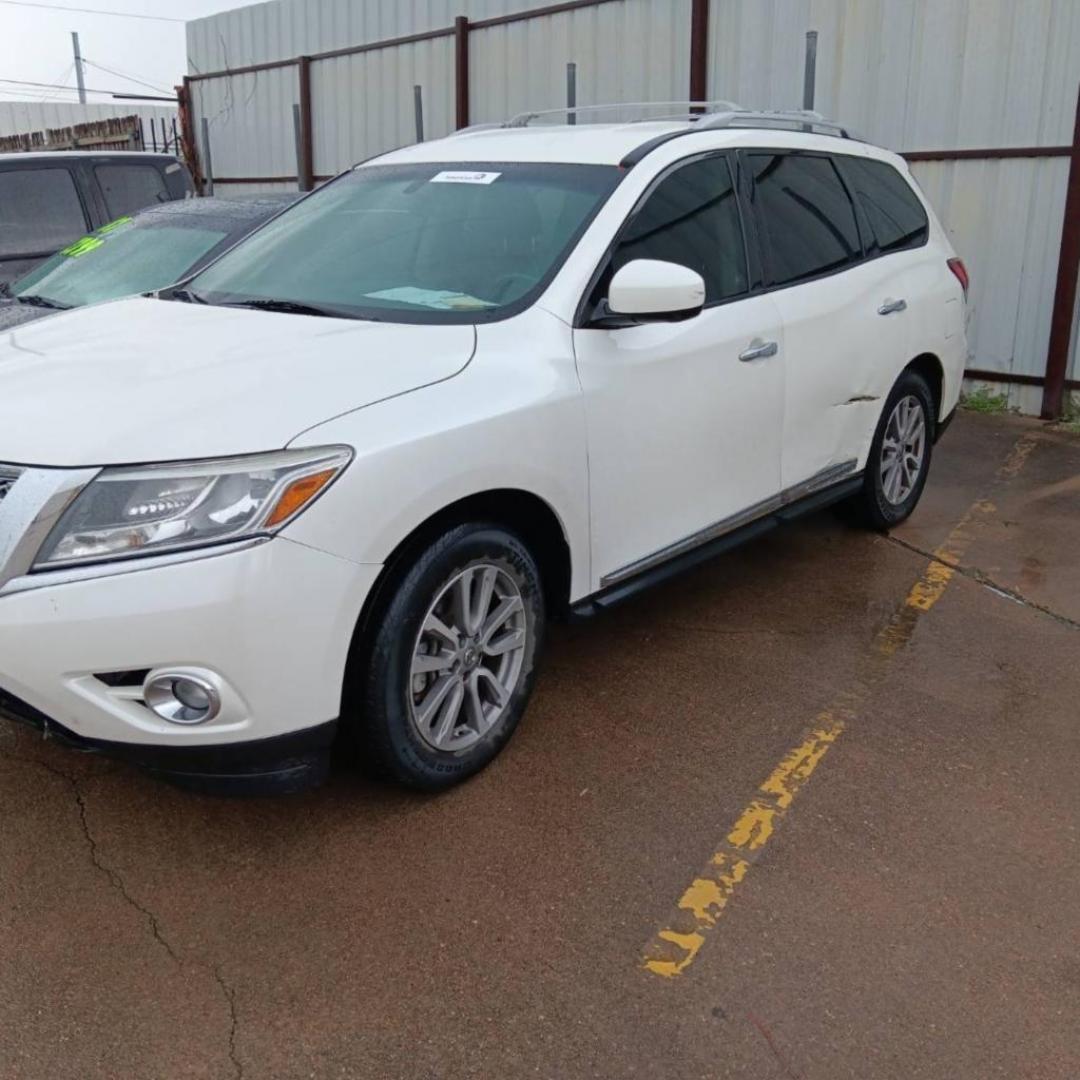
x=49 y=199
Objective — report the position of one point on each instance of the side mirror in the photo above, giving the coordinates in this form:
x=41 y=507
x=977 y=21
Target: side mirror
x=649 y=289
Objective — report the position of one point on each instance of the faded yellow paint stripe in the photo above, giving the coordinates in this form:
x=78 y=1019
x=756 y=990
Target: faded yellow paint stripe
x=784 y=781
x=928 y=590
x=675 y=946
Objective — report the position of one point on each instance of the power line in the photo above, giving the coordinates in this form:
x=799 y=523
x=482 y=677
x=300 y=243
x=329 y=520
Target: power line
x=122 y=75
x=90 y=11
x=61 y=81
x=56 y=86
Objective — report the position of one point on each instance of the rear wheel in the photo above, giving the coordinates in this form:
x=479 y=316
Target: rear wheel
x=450 y=665
x=899 y=460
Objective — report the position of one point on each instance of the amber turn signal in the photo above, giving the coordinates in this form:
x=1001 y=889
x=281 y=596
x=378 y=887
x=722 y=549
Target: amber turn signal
x=297 y=495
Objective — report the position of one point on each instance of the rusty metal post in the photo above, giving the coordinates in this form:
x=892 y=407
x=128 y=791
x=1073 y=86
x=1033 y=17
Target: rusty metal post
x=699 y=51
x=189 y=151
x=461 y=72
x=306 y=179
x=1061 y=321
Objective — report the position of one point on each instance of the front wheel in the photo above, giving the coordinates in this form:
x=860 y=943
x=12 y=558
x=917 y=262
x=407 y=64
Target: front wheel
x=452 y=658
x=899 y=460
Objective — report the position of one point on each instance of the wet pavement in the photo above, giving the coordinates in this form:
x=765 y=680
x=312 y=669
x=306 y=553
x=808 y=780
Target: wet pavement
x=901 y=898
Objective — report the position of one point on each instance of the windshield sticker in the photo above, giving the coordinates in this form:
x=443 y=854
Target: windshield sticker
x=81 y=247
x=465 y=178
x=113 y=225
x=439 y=299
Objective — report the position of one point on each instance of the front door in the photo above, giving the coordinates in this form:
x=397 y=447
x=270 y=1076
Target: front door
x=684 y=434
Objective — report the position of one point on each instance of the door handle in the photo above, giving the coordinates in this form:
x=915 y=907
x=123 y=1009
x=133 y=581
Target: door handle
x=758 y=350
x=892 y=305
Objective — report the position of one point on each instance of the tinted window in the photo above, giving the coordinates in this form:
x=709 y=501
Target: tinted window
x=692 y=218
x=39 y=211
x=417 y=243
x=806 y=217
x=128 y=188
x=896 y=216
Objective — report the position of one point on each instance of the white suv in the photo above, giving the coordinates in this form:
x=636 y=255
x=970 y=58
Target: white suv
x=332 y=487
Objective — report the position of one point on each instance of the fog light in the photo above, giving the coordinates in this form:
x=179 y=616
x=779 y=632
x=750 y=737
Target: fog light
x=182 y=698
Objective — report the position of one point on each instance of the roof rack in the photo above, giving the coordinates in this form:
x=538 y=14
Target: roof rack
x=802 y=119
x=702 y=114
x=680 y=110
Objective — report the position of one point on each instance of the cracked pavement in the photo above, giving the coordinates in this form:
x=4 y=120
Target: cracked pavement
x=915 y=916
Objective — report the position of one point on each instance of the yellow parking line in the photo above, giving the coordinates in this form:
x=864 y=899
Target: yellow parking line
x=674 y=947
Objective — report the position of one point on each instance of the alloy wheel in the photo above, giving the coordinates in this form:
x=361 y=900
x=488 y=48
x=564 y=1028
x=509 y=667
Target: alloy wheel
x=468 y=657
x=903 y=449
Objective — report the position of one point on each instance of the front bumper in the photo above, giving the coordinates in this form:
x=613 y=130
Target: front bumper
x=280 y=765
x=273 y=622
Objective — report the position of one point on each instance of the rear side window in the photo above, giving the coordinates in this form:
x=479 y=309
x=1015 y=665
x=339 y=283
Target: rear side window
x=805 y=215
x=40 y=211
x=692 y=218
x=128 y=188
x=897 y=218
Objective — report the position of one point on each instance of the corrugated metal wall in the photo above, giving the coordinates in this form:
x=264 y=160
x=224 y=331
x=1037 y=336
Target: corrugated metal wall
x=937 y=74
x=21 y=117
x=285 y=28
x=631 y=51
x=250 y=122
x=363 y=105
x=909 y=74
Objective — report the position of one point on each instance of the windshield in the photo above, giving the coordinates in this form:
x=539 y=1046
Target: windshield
x=119 y=259
x=416 y=243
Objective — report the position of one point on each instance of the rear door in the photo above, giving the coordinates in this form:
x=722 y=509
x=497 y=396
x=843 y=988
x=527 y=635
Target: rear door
x=845 y=327
x=684 y=434
x=127 y=186
x=41 y=211
x=897 y=231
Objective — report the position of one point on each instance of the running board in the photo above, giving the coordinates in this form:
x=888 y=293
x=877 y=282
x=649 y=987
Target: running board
x=629 y=582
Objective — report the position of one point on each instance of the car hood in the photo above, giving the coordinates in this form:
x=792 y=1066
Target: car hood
x=13 y=314
x=154 y=380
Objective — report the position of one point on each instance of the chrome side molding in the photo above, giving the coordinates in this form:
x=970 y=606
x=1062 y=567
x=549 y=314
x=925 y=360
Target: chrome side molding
x=821 y=479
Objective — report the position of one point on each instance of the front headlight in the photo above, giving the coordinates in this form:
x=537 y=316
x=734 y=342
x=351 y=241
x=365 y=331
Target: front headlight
x=155 y=509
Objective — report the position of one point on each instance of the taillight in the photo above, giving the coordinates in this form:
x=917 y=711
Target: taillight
x=960 y=270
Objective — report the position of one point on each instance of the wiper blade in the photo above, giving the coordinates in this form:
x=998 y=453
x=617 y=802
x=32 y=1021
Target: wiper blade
x=42 y=301
x=288 y=307
x=185 y=296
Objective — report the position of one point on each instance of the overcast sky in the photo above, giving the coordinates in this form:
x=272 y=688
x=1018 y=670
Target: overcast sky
x=35 y=44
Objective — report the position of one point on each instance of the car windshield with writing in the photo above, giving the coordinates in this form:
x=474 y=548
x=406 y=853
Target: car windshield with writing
x=416 y=243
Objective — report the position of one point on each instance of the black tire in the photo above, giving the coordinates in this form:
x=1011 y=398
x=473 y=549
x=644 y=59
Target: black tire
x=871 y=506
x=382 y=704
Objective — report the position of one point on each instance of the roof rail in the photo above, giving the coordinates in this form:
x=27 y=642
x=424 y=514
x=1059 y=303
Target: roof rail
x=802 y=119
x=681 y=110
x=702 y=114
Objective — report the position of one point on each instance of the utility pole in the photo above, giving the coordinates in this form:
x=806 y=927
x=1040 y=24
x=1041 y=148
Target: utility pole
x=78 y=67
